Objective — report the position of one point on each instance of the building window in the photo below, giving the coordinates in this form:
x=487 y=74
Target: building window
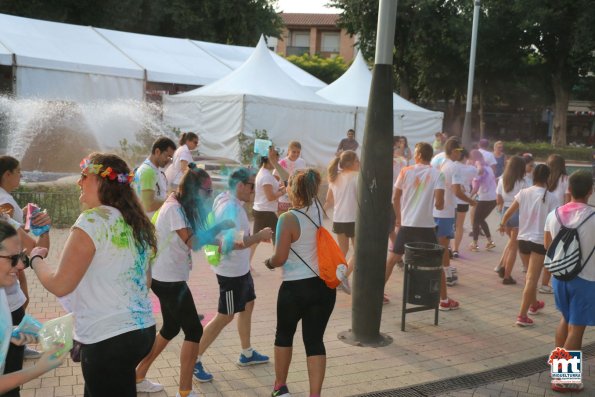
x=300 y=39
x=330 y=42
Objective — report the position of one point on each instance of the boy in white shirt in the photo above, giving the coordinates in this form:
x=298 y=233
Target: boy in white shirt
x=575 y=298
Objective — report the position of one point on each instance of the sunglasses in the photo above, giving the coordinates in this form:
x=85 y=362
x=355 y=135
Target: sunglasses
x=14 y=259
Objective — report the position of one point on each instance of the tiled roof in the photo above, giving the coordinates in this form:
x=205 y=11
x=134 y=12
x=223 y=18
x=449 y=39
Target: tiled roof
x=302 y=19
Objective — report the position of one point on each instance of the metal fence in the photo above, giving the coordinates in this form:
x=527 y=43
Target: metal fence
x=63 y=207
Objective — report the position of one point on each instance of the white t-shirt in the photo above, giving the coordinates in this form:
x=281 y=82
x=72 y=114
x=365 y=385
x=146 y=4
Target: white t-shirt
x=418 y=183
x=173 y=261
x=265 y=177
x=398 y=164
x=235 y=263
x=305 y=246
x=467 y=173
x=112 y=298
x=488 y=157
x=572 y=215
x=508 y=197
x=532 y=213
x=487 y=188
x=451 y=177
x=561 y=190
x=290 y=167
x=15 y=296
x=174 y=171
x=5 y=328
x=437 y=160
x=344 y=190
x=150 y=177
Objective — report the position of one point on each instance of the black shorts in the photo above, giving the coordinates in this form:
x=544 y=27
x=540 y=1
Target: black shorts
x=462 y=207
x=346 y=228
x=264 y=219
x=526 y=247
x=234 y=293
x=408 y=234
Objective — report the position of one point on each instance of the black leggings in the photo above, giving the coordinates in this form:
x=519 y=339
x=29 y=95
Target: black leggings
x=482 y=211
x=109 y=366
x=14 y=356
x=311 y=301
x=178 y=310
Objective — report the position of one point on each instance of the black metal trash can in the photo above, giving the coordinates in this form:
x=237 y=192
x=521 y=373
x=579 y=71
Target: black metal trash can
x=423 y=273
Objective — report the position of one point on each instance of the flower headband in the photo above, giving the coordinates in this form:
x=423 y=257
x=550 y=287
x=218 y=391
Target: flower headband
x=89 y=168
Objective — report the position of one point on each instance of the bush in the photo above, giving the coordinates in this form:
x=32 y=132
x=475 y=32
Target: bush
x=61 y=202
x=326 y=69
x=541 y=150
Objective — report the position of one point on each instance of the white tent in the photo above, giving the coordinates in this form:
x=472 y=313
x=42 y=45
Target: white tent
x=353 y=89
x=61 y=61
x=259 y=95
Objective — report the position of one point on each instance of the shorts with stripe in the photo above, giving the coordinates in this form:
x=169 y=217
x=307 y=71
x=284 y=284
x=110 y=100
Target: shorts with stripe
x=234 y=293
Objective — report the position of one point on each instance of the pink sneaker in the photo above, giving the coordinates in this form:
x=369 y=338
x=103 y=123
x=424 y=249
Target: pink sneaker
x=534 y=309
x=450 y=304
x=524 y=321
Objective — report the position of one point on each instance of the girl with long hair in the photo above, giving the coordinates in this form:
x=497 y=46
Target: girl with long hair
x=484 y=184
x=467 y=172
x=557 y=185
x=511 y=183
x=181 y=227
x=181 y=159
x=533 y=204
x=342 y=196
x=104 y=268
x=302 y=295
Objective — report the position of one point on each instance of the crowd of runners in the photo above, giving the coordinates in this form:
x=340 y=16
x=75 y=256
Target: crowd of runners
x=139 y=228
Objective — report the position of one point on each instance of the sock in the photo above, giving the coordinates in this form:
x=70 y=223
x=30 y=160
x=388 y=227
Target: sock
x=444 y=300
x=247 y=352
x=184 y=393
x=199 y=358
x=139 y=380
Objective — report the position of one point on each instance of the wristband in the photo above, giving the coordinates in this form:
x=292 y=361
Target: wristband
x=32 y=259
x=268 y=264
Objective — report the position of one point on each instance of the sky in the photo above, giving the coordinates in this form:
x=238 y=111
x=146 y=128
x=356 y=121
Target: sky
x=308 y=6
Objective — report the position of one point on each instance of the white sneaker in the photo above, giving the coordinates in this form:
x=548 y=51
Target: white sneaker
x=192 y=394
x=341 y=275
x=146 y=386
x=546 y=289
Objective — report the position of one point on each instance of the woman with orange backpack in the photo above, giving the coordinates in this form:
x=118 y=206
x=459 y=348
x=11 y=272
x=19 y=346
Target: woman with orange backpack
x=303 y=295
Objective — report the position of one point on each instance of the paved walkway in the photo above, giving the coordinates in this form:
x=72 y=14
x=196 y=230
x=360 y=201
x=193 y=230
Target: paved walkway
x=480 y=336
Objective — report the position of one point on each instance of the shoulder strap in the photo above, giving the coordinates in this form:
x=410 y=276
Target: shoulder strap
x=306 y=215
x=586 y=219
x=305 y=263
x=558 y=217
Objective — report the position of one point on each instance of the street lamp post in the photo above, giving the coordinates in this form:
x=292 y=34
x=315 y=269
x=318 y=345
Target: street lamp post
x=374 y=192
x=469 y=101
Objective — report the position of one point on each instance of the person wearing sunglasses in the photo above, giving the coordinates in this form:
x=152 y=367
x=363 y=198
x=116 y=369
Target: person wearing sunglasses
x=181 y=225
x=18 y=293
x=236 y=287
x=12 y=261
x=104 y=268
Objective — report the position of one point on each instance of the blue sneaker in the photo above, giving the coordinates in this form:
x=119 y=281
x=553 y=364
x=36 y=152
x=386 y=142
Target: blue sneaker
x=256 y=358
x=200 y=374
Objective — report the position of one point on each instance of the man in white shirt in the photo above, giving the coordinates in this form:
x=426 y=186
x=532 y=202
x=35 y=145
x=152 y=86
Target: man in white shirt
x=489 y=158
x=575 y=298
x=236 y=287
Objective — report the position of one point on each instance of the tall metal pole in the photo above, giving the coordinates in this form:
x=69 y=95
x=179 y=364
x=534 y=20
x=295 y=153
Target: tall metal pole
x=374 y=191
x=469 y=101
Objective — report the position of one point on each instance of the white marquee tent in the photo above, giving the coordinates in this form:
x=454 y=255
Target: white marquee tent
x=353 y=89
x=260 y=95
x=81 y=63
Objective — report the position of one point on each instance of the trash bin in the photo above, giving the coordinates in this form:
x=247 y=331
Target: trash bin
x=421 y=283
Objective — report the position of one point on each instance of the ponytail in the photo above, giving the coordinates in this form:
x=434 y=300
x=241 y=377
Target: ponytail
x=345 y=161
x=187 y=136
x=304 y=186
x=333 y=169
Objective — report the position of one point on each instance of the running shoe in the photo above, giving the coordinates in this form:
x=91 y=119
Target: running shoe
x=524 y=321
x=490 y=245
x=455 y=254
x=200 y=374
x=342 y=277
x=282 y=391
x=546 y=289
x=473 y=247
x=534 y=309
x=567 y=387
x=450 y=304
x=501 y=272
x=508 y=281
x=146 y=386
x=256 y=358
x=451 y=277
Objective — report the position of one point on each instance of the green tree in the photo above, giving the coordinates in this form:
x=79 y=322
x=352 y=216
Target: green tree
x=562 y=35
x=238 y=22
x=326 y=69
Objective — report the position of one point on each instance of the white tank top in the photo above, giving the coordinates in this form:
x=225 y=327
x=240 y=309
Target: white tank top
x=305 y=246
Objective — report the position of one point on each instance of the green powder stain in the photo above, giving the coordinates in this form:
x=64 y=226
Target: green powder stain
x=121 y=234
